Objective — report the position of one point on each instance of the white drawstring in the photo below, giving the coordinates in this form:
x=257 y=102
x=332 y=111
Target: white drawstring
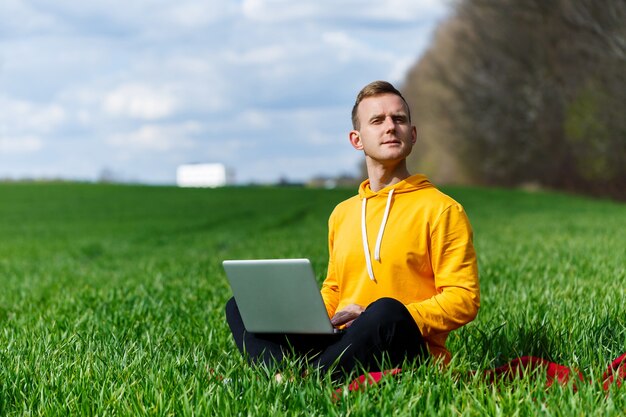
x=382 y=227
x=366 y=249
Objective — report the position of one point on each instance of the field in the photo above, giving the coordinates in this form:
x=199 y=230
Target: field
x=111 y=303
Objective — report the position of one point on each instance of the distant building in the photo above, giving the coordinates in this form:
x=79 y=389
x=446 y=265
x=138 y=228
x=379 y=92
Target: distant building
x=203 y=175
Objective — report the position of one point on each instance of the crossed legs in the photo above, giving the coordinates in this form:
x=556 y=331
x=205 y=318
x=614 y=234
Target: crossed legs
x=384 y=333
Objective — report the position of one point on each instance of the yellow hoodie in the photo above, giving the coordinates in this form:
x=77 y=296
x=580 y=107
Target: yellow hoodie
x=410 y=242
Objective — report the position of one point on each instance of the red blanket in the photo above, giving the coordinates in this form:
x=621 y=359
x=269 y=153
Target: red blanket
x=517 y=368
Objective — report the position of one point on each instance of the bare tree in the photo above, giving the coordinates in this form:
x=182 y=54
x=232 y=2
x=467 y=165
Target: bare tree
x=526 y=91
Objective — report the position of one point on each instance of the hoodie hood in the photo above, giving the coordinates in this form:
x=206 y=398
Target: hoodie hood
x=413 y=183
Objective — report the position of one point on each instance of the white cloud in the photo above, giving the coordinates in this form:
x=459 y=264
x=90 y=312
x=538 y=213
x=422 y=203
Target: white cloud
x=20 y=17
x=316 y=137
x=348 y=49
x=24 y=144
x=253 y=119
x=341 y=40
x=194 y=14
x=268 y=79
x=277 y=10
x=399 y=69
x=304 y=125
x=157 y=138
x=299 y=168
x=143 y=18
x=348 y=10
x=223 y=150
x=189 y=64
x=139 y=101
x=21 y=116
x=264 y=55
x=405 y=10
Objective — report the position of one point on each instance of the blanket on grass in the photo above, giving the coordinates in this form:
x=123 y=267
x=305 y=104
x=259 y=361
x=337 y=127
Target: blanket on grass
x=517 y=368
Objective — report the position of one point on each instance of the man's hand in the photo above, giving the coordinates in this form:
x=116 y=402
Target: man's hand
x=347 y=315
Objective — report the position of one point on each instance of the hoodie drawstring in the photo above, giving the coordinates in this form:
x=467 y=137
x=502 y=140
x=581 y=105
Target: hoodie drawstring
x=383 y=223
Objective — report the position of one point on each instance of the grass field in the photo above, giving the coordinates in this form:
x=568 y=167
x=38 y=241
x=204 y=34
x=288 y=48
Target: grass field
x=111 y=303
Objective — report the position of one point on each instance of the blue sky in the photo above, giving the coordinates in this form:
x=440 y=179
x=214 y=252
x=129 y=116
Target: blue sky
x=139 y=87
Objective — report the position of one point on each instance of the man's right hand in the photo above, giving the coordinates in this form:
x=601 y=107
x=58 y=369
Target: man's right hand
x=347 y=315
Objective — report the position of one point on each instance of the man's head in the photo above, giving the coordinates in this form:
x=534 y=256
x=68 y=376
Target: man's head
x=382 y=126
x=375 y=88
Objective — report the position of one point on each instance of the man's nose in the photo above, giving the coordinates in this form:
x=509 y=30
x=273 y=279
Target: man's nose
x=389 y=124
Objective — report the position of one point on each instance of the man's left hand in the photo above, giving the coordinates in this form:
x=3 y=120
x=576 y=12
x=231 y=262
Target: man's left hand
x=347 y=315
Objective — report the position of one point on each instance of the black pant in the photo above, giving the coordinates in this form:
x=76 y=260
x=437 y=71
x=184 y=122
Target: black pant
x=385 y=333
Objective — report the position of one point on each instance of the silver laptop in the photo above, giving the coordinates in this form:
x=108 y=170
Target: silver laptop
x=278 y=296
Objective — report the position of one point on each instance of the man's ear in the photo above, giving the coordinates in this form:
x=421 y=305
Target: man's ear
x=355 y=140
x=414 y=134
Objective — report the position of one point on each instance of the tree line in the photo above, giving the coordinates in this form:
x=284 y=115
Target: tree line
x=514 y=92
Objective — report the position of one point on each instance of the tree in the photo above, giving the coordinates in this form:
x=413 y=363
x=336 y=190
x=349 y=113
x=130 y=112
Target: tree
x=516 y=91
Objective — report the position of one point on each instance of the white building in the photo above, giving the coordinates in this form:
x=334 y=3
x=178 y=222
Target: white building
x=203 y=175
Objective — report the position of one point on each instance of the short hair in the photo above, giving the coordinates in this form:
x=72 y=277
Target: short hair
x=375 y=88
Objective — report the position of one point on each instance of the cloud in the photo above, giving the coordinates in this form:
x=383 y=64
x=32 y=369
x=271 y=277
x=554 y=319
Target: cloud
x=147 y=19
x=316 y=137
x=18 y=17
x=222 y=150
x=346 y=48
x=308 y=125
x=154 y=83
x=157 y=138
x=27 y=119
x=264 y=55
x=347 y=10
x=252 y=120
x=193 y=14
x=24 y=144
x=399 y=69
x=405 y=10
x=341 y=40
x=139 y=101
x=279 y=10
x=300 y=168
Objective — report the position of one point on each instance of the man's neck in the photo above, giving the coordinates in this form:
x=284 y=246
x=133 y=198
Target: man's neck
x=381 y=176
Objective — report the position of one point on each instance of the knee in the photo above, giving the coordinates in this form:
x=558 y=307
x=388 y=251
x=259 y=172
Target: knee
x=387 y=304
x=388 y=321
x=388 y=310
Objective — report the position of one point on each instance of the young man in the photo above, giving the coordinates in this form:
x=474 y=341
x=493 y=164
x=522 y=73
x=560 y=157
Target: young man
x=402 y=269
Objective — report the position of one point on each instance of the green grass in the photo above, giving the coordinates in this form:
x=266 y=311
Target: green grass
x=112 y=303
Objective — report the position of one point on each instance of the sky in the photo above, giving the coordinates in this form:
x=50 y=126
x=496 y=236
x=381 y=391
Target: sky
x=136 y=88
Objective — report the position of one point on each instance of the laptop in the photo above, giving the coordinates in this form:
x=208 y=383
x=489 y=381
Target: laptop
x=278 y=296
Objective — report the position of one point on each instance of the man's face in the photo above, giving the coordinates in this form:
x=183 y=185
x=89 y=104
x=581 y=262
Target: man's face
x=385 y=133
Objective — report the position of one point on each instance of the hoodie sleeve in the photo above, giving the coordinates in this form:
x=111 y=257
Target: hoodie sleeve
x=456 y=276
x=330 y=287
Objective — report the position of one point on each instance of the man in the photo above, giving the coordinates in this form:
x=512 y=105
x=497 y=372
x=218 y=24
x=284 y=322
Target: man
x=400 y=300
